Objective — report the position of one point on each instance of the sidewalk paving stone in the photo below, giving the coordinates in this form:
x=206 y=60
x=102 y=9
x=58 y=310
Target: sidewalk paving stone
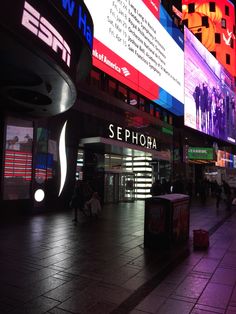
x=51 y=265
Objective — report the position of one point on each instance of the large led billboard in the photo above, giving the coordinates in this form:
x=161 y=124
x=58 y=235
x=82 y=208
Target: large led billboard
x=209 y=98
x=18 y=161
x=213 y=23
x=225 y=159
x=137 y=43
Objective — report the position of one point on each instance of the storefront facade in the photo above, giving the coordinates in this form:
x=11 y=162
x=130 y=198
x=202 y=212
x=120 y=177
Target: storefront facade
x=127 y=147
x=115 y=129
x=46 y=50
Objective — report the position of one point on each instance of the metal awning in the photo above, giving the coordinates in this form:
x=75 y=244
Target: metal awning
x=107 y=145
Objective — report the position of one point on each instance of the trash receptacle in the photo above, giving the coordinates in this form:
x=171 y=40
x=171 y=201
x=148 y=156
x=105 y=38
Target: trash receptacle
x=166 y=220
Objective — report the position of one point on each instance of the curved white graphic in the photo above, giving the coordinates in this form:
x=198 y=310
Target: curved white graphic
x=62 y=157
x=228 y=40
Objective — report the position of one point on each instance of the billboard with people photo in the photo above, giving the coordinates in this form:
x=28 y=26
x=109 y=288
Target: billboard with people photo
x=18 y=160
x=209 y=95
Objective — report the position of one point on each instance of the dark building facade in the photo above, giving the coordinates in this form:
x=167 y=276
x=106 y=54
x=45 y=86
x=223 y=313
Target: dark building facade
x=45 y=51
x=118 y=128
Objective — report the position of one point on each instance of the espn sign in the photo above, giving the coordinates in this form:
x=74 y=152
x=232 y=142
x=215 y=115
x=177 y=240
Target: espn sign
x=39 y=25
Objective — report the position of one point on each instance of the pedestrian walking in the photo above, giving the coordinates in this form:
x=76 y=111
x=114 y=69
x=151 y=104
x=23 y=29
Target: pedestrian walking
x=87 y=191
x=218 y=191
x=156 y=188
x=77 y=200
x=94 y=205
x=227 y=192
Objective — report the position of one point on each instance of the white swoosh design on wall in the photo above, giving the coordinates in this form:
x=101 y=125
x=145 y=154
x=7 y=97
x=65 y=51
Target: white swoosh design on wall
x=62 y=157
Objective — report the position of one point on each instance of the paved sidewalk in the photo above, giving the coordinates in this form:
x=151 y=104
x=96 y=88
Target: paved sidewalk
x=205 y=282
x=51 y=265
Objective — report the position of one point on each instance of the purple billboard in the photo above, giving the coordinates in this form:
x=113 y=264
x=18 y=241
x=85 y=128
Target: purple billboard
x=209 y=96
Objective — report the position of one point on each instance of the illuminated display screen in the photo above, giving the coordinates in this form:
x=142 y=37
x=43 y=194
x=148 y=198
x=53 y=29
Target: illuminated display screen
x=213 y=23
x=134 y=42
x=46 y=50
x=43 y=167
x=43 y=159
x=46 y=32
x=62 y=30
x=204 y=153
x=225 y=159
x=79 y=17
x=18 y=162
x=209 y=99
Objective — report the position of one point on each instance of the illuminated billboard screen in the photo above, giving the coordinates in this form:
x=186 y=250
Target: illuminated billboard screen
x=213 y=23
x=203 y=153
x=43 y=159
x=209 y=99
x=134 y=42
x=18 y=162
x=225 y=159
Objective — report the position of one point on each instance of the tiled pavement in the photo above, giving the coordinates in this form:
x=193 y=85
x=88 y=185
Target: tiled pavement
x=50 y=265
x=205 y=282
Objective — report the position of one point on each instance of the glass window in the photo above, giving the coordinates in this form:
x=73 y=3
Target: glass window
x=79 y=164
x=164 y=117
x=112 y=87
x=142 y=104
x=223 y=23
x=217 y=38
x=122 y=92
x=158 y=113
x=44 y=155
x=226 y=10
x=17 y=159
x=95 y=78
x=147 y=107
x=152 y=110
x=205 y=21
x=191 y=7
x=212 y=6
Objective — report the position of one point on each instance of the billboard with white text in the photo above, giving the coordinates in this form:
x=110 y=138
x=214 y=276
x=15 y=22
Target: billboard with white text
x=137 y=43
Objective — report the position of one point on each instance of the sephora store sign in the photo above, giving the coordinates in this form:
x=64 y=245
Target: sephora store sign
x=132 y=137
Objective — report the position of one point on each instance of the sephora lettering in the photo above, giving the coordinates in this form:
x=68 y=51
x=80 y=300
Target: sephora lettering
x=132 y=137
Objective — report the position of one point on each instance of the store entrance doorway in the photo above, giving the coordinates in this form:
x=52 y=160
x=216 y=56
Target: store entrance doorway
x=118 y=187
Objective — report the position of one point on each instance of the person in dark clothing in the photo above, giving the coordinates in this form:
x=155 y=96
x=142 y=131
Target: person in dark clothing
x=227 y=191
x=77 y=200
x=87 y=191
x=203 y=191
x=178 y=185
x=165 y=186
x=196 y=95
x=217 y=191
x=204 y=106
x=156 y=188
x=189 y=188
x=214 y=186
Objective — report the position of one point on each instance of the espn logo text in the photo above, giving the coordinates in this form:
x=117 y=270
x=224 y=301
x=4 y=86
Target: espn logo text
x=39 y=25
